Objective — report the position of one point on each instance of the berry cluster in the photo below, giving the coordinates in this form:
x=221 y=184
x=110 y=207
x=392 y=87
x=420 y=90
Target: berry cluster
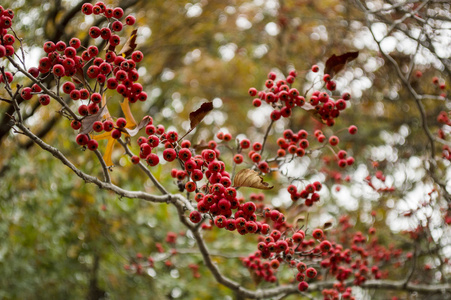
x=110 y=71
x=6 y=39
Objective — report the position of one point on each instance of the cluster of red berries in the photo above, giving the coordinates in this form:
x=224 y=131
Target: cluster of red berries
x=112 y=71
x=279 y=95
x=309 y=193
x=330 y=84
x=6 y=40
x=283 y=98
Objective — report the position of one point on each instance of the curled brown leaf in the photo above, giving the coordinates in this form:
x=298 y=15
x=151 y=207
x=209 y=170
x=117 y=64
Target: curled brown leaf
x=134 y=131
x=196 y=116
x=87 y=122
x=250 y=178
x=337 y=63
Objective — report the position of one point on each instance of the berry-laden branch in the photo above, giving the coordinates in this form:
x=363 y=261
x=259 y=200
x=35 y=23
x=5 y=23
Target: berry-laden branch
x=350 y=258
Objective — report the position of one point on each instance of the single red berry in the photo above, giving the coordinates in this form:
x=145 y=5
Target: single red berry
x=275 y=264
x=315 y=68
x=82 y=139
x=325 y=246
x=94 y=32
x=137 y=56
x=238 y=159
x=130 y=20
x=116 y=134
x=301 y=267
x=190 y=187
x=44 y=100
x=227 y=137
x=331 y=85
x=75 y=124
x=333 y=140
x=118 y=12
x=75 y=42
x=257 y=102
x=135 y=159
x=311 y=272
x=97 y=126
x=93 y=108
x=195 y=216
x=317 y=234
x=108 y=125
x=121 y=122
x=92 y=145
x=87 y=8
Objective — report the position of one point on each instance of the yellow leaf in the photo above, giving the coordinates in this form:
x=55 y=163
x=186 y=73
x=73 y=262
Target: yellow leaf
x=101 y=136
x=131 y=123
x=109 y=151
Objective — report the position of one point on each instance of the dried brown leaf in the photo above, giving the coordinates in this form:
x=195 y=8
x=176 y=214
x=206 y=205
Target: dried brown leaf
x=134 y=131
x=130 y=45
x=196 y=116
x=328 y=224
x=250 y=178
x=87 y=122
x=79 y=76
x=202 y=145
x=337 y=63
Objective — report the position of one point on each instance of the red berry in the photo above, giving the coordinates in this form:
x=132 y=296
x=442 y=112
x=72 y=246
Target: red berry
x=135 y=159
x=130 y=20
x=87 y=8
x=238 y=158
x=118 y=12
x=315 y=68
x=121 y=122
x=333 y=140
x=116 y=134
x=311 y=272
x=82 y=139
x=75 y=124
x=92 y=145
x=45 y=100
x=97 y=126
x=195 y=216
x=317 y=234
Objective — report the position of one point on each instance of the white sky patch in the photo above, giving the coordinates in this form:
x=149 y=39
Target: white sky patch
x=193 y=10
x=144 y=33
x=272 y=29
x=167 y=75
x=217 y=102
x=259 y=116
x=243 y=23
x=227 y=51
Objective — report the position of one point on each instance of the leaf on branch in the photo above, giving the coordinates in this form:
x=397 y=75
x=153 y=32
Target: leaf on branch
x=250 y=178
x=202 y=145
x=328 y=224
x=79 y=76
x=196 y=116
x=134 y=131
x=87 y=122
x=130 y=45
x=337 y=63
x=131 y=129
